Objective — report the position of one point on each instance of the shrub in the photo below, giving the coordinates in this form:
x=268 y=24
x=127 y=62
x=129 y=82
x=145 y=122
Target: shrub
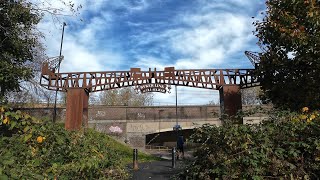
x=285 y=146
x=35 y=149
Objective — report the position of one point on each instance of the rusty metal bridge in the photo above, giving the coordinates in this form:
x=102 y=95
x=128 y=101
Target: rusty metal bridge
x=78 y=85
x=106 y=80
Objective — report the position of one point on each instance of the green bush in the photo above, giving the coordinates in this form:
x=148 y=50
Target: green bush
x=285 y=146
x=33 y=149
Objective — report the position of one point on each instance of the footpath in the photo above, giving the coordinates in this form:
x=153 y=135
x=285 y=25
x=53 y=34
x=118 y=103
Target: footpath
x=158 y=170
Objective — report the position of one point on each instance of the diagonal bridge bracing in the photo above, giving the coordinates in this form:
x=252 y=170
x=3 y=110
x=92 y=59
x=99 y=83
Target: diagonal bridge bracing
x=78 y=85
x=106 y=80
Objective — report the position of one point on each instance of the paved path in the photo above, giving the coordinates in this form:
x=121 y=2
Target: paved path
x=156 y=170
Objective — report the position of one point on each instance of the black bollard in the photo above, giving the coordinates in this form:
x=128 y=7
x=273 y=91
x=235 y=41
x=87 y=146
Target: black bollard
x=174 y=155
x=135 y=159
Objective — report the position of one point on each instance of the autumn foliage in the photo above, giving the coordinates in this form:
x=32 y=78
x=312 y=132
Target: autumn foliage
x=290 y=67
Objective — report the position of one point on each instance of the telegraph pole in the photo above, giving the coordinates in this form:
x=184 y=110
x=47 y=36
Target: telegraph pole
x=60 y=59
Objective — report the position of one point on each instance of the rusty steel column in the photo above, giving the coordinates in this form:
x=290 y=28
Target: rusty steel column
x=230 y=100
x=77 y=109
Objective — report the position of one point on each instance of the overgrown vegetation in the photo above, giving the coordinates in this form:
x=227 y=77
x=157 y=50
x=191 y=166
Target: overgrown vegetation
x=285 y=146
x=33 y=149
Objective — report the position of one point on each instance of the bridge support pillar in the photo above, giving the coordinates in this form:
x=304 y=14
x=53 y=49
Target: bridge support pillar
x=230 y=101
x=77 y=109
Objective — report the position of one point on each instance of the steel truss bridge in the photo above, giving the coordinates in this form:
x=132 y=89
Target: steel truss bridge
x=78 y=85
x=106 y=80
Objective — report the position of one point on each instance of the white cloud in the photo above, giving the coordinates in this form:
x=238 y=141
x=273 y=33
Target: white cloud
x=82 y=50
x=146 y=62
x=207 y=41
x=78 y=59
x=213 y=37
x=89 y=32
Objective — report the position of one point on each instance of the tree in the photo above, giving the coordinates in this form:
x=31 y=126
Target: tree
x=31 y=94
x=125 y=97
x=21 y=50
x=17 y=42
x=290 y=62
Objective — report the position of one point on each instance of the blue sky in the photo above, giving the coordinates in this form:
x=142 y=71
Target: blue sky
x=187 y=34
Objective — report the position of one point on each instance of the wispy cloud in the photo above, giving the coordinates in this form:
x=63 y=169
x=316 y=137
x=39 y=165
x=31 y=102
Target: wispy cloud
x=198 y=38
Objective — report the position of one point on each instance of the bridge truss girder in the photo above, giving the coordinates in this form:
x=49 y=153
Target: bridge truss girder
x=78 y=85
x=100 y=81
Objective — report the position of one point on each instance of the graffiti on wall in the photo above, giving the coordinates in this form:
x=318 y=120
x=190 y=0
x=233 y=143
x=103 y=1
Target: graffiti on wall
x=109 y=129
x=141 y=127
x=141 y=115
x=100 y=127
x=100 y=113
x=115 y=129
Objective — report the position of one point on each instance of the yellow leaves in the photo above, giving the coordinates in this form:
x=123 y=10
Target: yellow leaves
x=306 y=115
x=6 y=120
x=1 y=109
x=310 y=14
x=303 y=117
x=40 y=139
x=305 y=109
x=312 y=117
